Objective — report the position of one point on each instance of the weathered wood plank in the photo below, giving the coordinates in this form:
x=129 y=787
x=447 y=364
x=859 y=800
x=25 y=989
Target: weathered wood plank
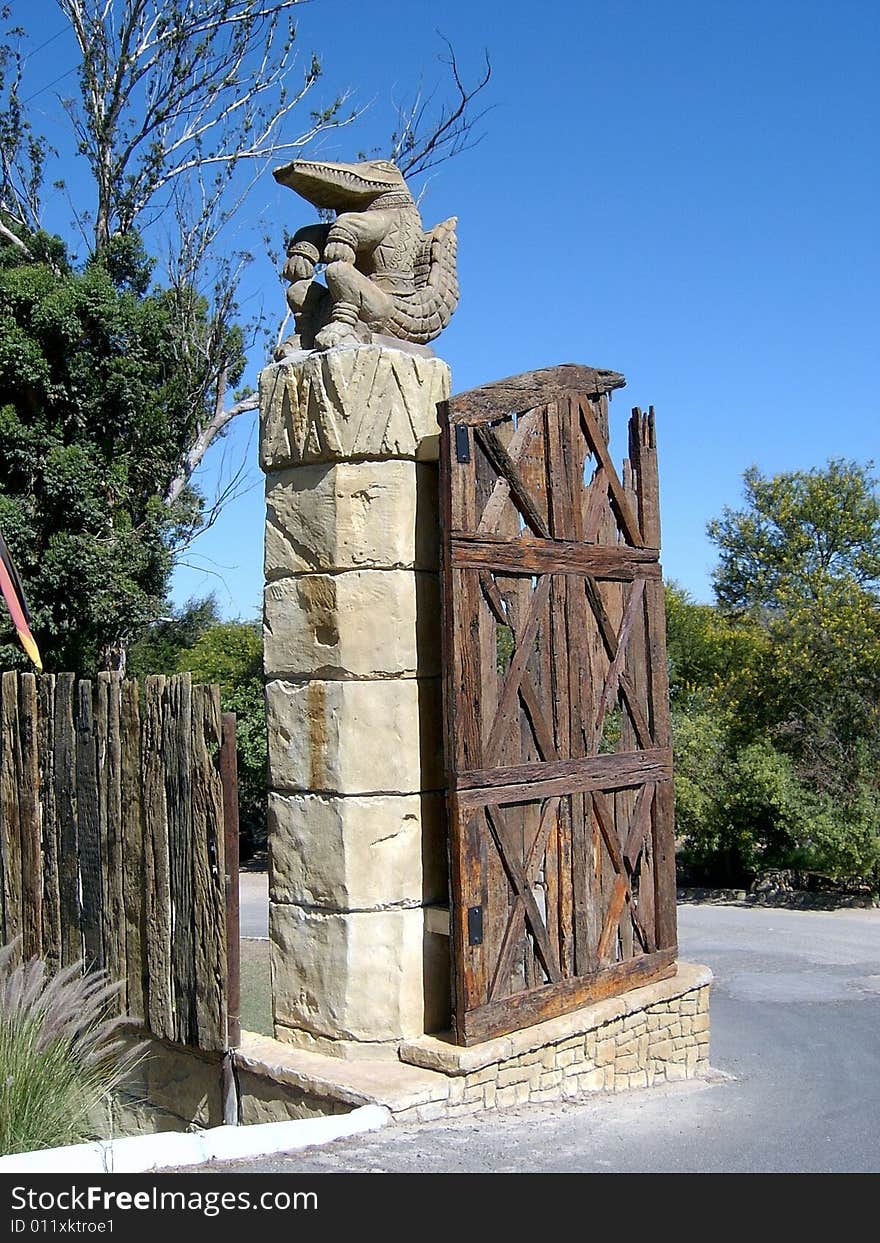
x=110 y=788
x=64 y=776
x=499 y=503
x=177 y=732
x=600 y=772
x=89 y=828
x=510 y=689
x=449 y=496
x=10 y=811
x=612 y=678
x=643 y=436
x=516 y=926
x=50 y=842
x=230 y=870
x=134 y=863
x=619 y=501
x=158 y=881
x=508 y=469
x=209 y=897
x=531 y=556
x=508 y=853
x=532 y=388
x=30 y=816
x=524 y=1009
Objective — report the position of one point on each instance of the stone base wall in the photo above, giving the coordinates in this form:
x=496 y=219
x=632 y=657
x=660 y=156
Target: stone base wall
x=655 y=1034
x=665 y=1042
x=651 y=1035
x=179 y=1089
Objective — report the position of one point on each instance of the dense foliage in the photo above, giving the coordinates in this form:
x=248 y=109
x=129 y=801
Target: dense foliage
x=776 y=690
x=96 y=408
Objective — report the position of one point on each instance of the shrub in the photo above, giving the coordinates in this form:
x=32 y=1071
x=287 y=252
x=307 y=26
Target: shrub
x=61 y=1052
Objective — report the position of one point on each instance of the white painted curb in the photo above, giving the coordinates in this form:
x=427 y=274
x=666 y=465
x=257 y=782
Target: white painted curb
x=139 y=1154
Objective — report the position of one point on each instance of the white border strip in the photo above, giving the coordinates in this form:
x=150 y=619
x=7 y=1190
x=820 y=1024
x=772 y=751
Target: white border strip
x=139 y=1154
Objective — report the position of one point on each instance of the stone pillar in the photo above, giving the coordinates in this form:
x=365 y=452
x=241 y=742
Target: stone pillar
x=349 y=444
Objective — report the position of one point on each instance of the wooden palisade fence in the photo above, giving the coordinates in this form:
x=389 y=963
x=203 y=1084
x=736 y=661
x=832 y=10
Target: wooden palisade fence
x=112 y=841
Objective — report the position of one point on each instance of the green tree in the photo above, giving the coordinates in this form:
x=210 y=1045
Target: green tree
x=800 y=532
x=779 y=752
x=707 y=650
x=231 y=654
x=159 y=649
x=95 y=411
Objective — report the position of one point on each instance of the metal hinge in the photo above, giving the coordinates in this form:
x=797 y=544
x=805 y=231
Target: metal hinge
x=475 y=925
x=462 y=443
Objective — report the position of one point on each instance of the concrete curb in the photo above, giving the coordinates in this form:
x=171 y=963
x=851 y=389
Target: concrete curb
x=140 y=1154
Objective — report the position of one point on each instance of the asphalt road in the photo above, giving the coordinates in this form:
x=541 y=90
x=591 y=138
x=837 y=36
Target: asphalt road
x=795 y=1021
x=253 y=901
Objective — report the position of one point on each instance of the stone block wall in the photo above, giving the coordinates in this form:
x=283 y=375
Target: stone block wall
x=349 y=441
x=629 y=1042
x=658 y=1033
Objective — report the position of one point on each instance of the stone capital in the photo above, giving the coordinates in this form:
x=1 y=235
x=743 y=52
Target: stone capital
x=351 y=403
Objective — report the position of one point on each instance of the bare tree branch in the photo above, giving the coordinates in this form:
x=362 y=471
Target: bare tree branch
x=14 y=239
x=424 y=139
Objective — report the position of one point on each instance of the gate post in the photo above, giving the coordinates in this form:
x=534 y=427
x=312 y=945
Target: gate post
x=349 y=445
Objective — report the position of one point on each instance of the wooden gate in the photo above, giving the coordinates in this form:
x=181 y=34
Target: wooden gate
x=556 y=703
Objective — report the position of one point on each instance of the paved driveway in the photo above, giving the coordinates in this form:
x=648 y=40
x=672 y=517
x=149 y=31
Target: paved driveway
x=795 y=1020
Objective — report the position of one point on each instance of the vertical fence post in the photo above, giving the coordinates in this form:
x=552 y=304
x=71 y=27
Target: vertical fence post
x=229 y=777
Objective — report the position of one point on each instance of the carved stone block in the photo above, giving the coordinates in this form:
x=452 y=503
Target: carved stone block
x=360 y=624
x=351 y=403
x=355 y=737
x=360 y=976
x=357 y=852
x=352 y=515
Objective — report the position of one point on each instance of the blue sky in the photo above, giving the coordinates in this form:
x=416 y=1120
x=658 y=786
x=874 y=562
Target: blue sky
x=684 y=192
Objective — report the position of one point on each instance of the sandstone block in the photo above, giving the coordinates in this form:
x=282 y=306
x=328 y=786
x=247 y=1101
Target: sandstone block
x=605 y=1052
x=358 y=624
x=366 y=976
x=456 y=1090
x=352 y=515
x=183 y=1083
x=355 y=737
x=592 y=1081
x=505 y=1097
x=431 y=1111
x=357 y=852
x=263 y=1100
x=361 y=402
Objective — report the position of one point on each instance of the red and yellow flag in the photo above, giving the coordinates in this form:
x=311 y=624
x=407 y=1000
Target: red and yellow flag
x=13 y=594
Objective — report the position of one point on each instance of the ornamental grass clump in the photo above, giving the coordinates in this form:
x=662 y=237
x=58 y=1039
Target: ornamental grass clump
x=61 y=1051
